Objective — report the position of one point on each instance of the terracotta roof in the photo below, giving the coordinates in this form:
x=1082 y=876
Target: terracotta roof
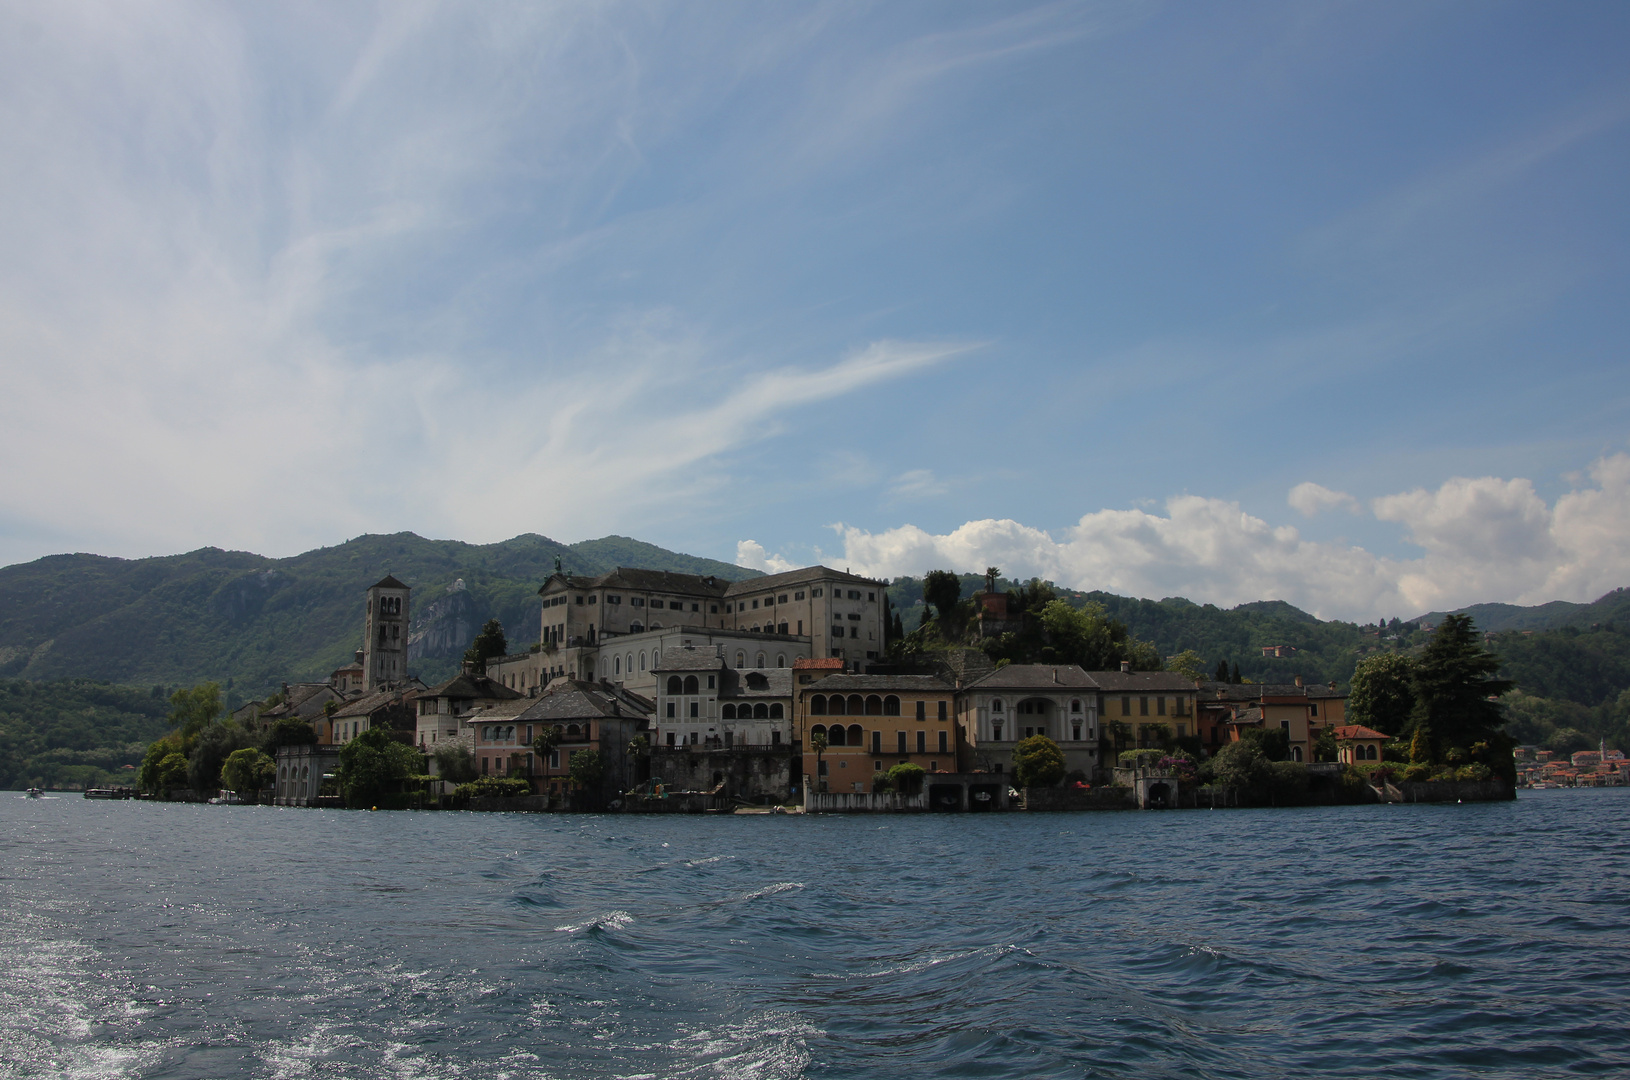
x=1358 y=731
x=823 y=663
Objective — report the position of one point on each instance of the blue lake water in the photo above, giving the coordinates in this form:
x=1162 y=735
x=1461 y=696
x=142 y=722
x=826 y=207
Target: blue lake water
x=144 y=940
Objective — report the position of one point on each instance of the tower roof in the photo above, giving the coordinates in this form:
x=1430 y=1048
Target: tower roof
x=388 y=582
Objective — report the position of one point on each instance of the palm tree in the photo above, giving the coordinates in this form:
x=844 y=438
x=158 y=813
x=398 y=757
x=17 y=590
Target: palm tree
x=817 y=743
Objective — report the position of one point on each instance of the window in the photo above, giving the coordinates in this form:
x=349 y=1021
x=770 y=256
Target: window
x=642 y=659
x=996 y=706
x=900 y=741
x=798 y=596
x=853 y=617
x=1075 y=706
x=710 y=682
x=854 y=594
x=1284 y=725
x=891 y=706
x=922 y=742
x=670 y=735
x=760 y=661
x=775 y=712
x=1160 y=706
x=695 y=607
x=755 y=605
x=1143 y=706
x=691 y=685
x=942 y=742
x=1313 y=708
x=670 y=710
x=922 y=710
x=713 y=609
x=694 y=707
x=800 y=628
x=780 y=659
x=594 y=599
x=775 y=736
x=814 y=592
x=674 y=685
x=782 y=599
x=837 y=631
x=996 y=731
x=817 y=705
x=1076 y=730
x=942 y=710
x=741 y=659
x=614 y=599
x=580 y=600
x=877 y=744
x=636 y=601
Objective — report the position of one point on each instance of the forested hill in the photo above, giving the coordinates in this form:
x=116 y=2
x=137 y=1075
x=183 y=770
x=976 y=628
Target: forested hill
x=251 y=622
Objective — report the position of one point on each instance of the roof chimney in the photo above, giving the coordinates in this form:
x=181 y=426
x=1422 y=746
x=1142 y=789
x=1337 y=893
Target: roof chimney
x=1298 y=680
x=1126 y=667
x=1055 y=674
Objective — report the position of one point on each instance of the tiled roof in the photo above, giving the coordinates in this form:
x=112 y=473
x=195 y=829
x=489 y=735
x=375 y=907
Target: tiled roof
x=690 y=658
x=1255 y=691
x=1035 y=677
x=772 y=582
x=637 y=579
x=369 y=704
x=847 y=684
x=1123 y=682
x=472 y=686
x=1359 y=731
x=769 y=682
x=388 y=582
x=578 y=700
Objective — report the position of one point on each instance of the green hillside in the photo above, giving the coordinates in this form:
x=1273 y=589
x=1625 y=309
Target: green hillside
x=251 y=622
x=75 y=733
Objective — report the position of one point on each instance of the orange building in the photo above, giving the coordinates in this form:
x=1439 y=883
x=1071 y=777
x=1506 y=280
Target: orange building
x=1357 y=744
x=870 y=724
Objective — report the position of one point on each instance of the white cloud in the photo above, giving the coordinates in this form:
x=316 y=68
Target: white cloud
x=1484 y=539
x=918 y=484
x=751 y=554
x=1312 y=499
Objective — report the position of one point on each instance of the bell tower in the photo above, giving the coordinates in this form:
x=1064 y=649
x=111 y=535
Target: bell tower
x=385 y=635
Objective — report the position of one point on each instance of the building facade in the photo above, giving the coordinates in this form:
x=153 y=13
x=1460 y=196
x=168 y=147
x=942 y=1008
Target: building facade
x=870 y=723
x=385 y=635
x=1017 y=701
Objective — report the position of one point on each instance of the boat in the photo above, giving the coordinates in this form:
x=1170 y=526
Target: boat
x=34 y=793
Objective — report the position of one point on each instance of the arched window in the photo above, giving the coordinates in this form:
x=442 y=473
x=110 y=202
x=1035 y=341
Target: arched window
x=729 y=712
x=856 y=736
x=674 y=685
x=891 y=706
x=835 y=705
x=571 y=731
x=741 y=659
x=642 y=659
x=1296 y=753
x=631 y=663
x=874 y=706
x=834 y=735
x=691 y=685
x=857 y=705
x=818 y=729
x=996 y=706
x=1370 y=753
x=817 y=705
x=760 y=661
x=636 y=627
x=775 y=711
x=761 y=711
x=616 y=665
x=780 y=659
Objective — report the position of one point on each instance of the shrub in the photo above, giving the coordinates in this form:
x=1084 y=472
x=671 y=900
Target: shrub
x=1038 y=762
x=1352 y=783
x=493 y=787
x=1417 y=772
x=1475 y=771
x=906 y=778
x=248 y=770
x=1287 y=780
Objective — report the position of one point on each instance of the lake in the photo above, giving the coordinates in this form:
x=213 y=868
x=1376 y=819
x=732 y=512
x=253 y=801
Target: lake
x=150 y=940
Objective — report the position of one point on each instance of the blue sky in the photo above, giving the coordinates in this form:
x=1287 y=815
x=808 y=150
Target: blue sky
x=1322 y=302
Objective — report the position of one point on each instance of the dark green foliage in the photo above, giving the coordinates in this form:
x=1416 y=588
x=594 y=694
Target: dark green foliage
x=194 y=708
x=252 y=622
x=456 y=764
x=1324 y=748
x=488 y=645
x=1272 y=743
x=171 y=772
x=1454 y=682
x=214 y=745
x=1588 y=666
x=906 y=778
x=1221 y=674
x=1038 y=762
x=1382 y=695
x=374 y=765
x=942 y=590
x=246 y=771
x=587 y=768
x=289 y=731
x=76 y=733
x=492 y=787
x=1234 y=675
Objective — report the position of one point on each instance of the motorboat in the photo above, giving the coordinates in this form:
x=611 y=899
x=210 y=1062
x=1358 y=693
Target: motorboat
x=34 y=793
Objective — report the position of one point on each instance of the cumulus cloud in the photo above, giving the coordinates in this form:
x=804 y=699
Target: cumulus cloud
x=1484 y=539
x=1312 y=499
x=751 y=554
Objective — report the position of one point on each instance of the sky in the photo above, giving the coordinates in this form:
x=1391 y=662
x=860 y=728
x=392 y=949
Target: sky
x=1318 y=302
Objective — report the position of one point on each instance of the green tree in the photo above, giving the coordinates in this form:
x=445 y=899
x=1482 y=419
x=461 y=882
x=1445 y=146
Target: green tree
x=817 y=743
x=455 y=764
x=214 y=745
x=374 y=765
x=1456 y=694
x=149 y=777
x=191 y=710
x=587 y=769
x=1038 y=762
x=489 y=644
x=1187 y=664
x=1382 y=693
x=1234 y=675
x=171 y=772
x=1324 y=747
x=1221 y=674
x=1242 y=766
x=247 y=770
x=289 y=731
x=906 y=778
x=942 y=589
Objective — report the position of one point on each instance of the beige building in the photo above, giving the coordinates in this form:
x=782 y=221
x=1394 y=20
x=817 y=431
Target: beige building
x=1016 y=701
x=1142 y=709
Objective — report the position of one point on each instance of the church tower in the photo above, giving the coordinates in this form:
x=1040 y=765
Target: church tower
x=385 y=636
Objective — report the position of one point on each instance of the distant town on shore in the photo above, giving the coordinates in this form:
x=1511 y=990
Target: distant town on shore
x=647 y=690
